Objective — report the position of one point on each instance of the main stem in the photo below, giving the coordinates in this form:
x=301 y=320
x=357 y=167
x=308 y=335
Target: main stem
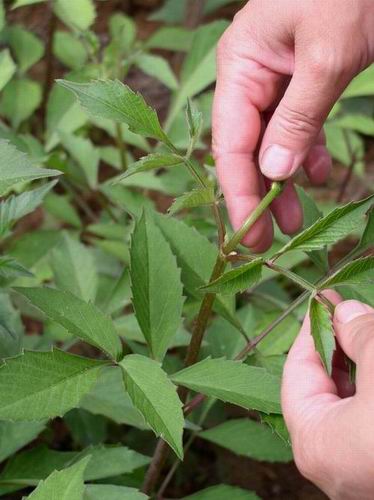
x=162 y=448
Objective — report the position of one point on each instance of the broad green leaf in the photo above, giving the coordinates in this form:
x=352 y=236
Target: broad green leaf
x=27 y=48
x=7 y=67
x=67 y=484
x=322 y=332
x=195 y=198
x=78 y=15
x=69 y=50
x=249 y=439
x=108 y=398
x=238 y=279
x=362 y=85
x=112 y=492
x=157 y=67
x=222 y=492
x=74 y=268
x=342 y=142
x=246 y=386
x=83 y=320
x=85 y=154
x=156 y=398
x=196 y=257
x=20 y=99
x=151 y=162
x=38 y=385
x=171 y=38
x=331 y=228
x=311 y=214
x=15 y=435
x=116 y=101
x=16 y=167
x=15 y=207
x=31 y=248
x=358 y=272
x=199 y=68
x=61 y=207
x=123 y=31
x=156 y=286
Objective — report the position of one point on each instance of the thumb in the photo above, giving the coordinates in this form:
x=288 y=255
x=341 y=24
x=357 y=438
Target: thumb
x=298 y=119
x=354 y=329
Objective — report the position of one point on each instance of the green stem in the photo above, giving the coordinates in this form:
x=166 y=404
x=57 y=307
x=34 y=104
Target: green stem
x=276 y=189
x=291 y=276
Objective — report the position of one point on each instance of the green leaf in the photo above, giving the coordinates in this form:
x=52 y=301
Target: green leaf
x=277 y=425
x=83 y=320
x=322 y=332
x=60 y=207
x=362 y=85
x=249 y=439
x=38 y=385
x=112 y=492
x=238 y=279
x=67 y=484
x=15 y=435
x=358 y=272
x=331 y=228
x=116 y=101
x=156 y=398
x=19 y=100
x=23 y=3
x=69 y=50
x=11 y=269
x=246 y=386
x=196 y=257
x=85 y=154
x=223 y=492
x=194 y=121
x=195 y=198
x=74 y=268
x=123 y=31
x=367 y=237
x=15 y=167
x=151 y=162
x=7 y=67
x=157 y=67
x=199 y=68
x=86 y=429
x=11 y=328
x=78 y=15
x=171 y=38
x=156 y=286
x=15 y=207
x=108 y=398
x=27 y=48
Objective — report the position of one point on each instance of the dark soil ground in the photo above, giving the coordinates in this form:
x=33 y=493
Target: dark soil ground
x=206 y=464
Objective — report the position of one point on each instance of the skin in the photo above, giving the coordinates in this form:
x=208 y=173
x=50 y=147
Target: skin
x=282 y=65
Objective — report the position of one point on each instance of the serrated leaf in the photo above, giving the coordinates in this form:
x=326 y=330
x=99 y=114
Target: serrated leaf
x=39 y=385
x=194 y=121
x=156 y=286
x=243 y=385
x=85 y=154
x=79 y=14
x=156 y=398
x=249 y=439
x=15 y=207
x=116 y=101
x=10 y=269
x=7 y=67
x=322 y=332
x=278 y=426
x=151 y=162
x=83 y=320
x=27 y=48
x=19 y=100
x=16 y=167
x=67 y=484
x=157 y=67
x=195 y=198
x=112 y=492
x=358 y=272
x=238 y=279
x=331 y=228
x=74 y=268
x=196 y=257
x=223 y=492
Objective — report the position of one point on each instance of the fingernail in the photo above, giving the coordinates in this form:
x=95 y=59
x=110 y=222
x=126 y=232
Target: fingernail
x=349 y=310
x=277 y=162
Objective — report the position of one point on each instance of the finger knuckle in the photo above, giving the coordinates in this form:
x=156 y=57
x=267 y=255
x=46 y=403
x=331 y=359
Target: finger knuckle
x=297 y=122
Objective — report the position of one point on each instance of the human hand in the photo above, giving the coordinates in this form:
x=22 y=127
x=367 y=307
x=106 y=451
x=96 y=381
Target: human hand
x=330 y=422
x=322 y=45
